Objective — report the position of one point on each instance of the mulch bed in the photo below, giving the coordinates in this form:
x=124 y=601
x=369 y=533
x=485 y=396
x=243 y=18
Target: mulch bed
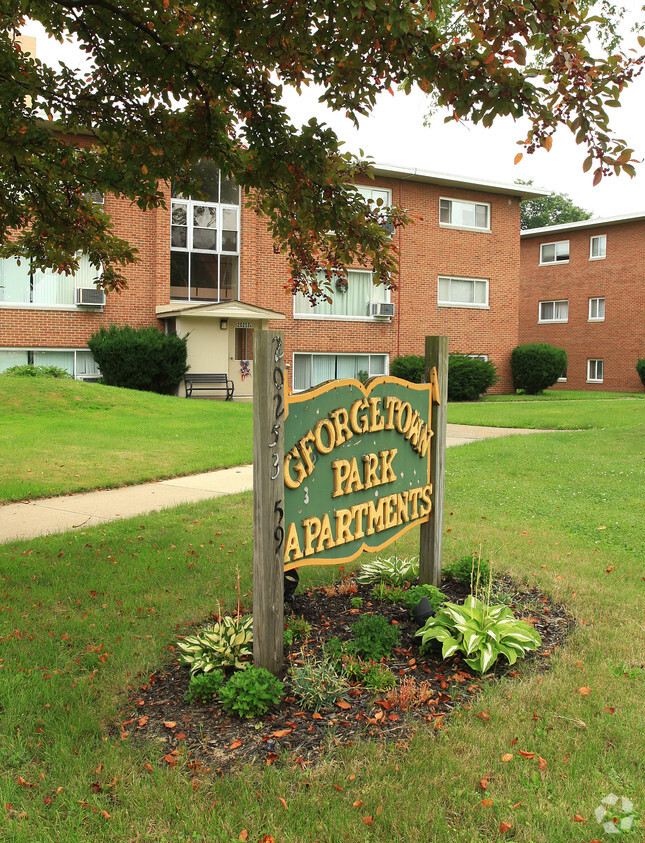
x=213 y=740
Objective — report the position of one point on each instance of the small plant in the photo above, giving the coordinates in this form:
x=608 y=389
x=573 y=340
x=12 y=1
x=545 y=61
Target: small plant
x=410 y=694
x=317 y=685
x=375 y=637
x=296 y=629
x=224 y=644
x=481 y=631
x=338 y=652
x=251 y=693
x=464 y=569
x=377 y=677
x=204 y=686
x=356 y=602
x=392 y=570
x=28 y=370
x=385 y=593
x=412 y=596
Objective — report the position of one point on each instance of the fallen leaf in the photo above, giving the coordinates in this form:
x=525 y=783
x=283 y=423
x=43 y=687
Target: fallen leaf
x=148 y=767
x=284 y=803
x=487 y=803
x=610 y=710
x=504 y=827
x=169 y=724
x=484 y=715
x=357 y=804
x=541 y=763
x=507 y=757
x=243 y=835
x=143 y=720
x=483 y=784
x=316 y=716
x=280 y=734
x=106 y=815
x=235 y=744
x=48 y=800
x=585 y=691
x=525 y=754
x=379 y=810
x=345 y=705
x=368 y=820
x=610 y=569
x=578 y=819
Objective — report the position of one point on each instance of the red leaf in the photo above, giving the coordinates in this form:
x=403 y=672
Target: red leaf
x=578 y=819
x=344 y=705
x=235 y=744
x=243 y=835
x=525 y=754
x=357 y=804
x=338 y=788
x=541 y=763
x=585 y=691
x=507 y=756
x=487 y=803
x=504 y=827
x=281 y=734
x=317 y=716
x=106 y=815
x=368 y=820
x=148 y=767
x=169 y=724
x=284 y=804
x=484 y=715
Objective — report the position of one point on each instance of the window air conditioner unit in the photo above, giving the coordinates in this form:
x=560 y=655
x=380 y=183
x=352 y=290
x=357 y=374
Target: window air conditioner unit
x=382 y=309
x=90 y=297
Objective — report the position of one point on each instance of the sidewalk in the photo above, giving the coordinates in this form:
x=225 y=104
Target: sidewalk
x=29 y=519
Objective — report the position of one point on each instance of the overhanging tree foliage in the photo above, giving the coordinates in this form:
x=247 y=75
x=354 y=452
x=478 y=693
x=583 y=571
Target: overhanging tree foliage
x=171 y=81
x=555 y=209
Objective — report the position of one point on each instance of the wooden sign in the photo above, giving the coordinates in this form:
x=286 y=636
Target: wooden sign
x=356 y=468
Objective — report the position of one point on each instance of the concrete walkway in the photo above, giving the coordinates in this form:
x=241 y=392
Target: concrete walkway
x=42 y=517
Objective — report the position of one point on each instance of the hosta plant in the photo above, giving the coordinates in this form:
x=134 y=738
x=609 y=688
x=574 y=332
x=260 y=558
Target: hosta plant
x=481 y=631
x=224 y=644
x=392 y=570
x=317 y=684
x=251 y=693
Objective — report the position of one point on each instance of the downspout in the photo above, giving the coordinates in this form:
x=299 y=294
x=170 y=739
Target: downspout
x=398 y=309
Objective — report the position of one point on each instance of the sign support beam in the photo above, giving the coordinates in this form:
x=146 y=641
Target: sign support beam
x=431 y=538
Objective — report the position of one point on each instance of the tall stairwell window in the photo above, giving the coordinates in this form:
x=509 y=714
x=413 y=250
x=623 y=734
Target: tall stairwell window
x=205 y=240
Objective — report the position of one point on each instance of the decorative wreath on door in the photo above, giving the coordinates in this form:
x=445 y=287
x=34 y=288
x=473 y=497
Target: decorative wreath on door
x=341 y=285
x=245 y=369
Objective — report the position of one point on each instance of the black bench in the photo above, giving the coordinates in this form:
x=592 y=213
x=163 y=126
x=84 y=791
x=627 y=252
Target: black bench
x=210 y=382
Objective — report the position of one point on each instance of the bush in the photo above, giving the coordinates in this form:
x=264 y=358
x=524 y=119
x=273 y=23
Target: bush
x=204 y=686
x=640 y=368
x=537 y=366
x=469 y=377
x=410 y=367
x=466 y=569
x=317 y=684
x=140 y=358
x=375 y=637
x=251 y=693
x=31 y=371
x=413 y=595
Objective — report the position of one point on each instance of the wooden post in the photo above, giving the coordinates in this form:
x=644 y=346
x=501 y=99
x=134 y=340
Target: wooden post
x=268 y=498
x=431 y=538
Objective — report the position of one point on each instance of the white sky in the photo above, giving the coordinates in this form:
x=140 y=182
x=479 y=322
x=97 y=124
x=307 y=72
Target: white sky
x=394 y=134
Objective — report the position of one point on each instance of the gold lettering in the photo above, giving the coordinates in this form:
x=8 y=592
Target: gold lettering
x=390 y=512
x=375 y=517
x=331 y=434
x=402 y=508
x=377 y=422
x=354 y=480
x=426 y=498
x=413 y=496
x=391 y=404
x=339 y=418
x=359 y=511
x=370 y=469
x=341 y=473
x=306 y=451
x=425 y=436
x=344 y=518
x=289 y=481
x=398 y=424
x=358 y=424
x=326 y=539
x=292 y=545
x=415 y=428
x=387 y=472
x=311 y=527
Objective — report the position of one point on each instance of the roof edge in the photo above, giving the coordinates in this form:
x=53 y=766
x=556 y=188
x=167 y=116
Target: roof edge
x=590 y=223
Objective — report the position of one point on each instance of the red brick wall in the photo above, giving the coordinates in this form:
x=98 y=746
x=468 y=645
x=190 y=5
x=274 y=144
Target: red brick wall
x=620 y=339
x=427 y=251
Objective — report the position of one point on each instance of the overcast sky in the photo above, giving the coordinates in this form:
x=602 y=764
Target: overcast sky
x=395 y=134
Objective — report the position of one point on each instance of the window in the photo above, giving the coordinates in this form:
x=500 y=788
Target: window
x=379 y=197
x=351 y=298
x=243 y=343
x=595 y=371
x=462 y=292
x=311 y=369
x=79 y=364
x=205 y=240
x=554 y=252
x=597 y=310
x=598 y=247
x=20 y=284
x=554 y=311
x=464 y=214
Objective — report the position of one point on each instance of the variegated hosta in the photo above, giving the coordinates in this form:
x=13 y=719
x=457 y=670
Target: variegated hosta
x=224 y=644
x=480 y=631
x=393 y=570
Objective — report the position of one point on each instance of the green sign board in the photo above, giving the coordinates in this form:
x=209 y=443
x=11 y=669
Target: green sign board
x=356 y=467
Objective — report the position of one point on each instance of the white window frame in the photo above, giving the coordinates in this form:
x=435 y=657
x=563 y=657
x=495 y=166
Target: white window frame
x=474 y=204
x=311 y=313
x=79 y=279
x=313 y=354
x=372 y=195
x=32 y=359
x=602 y=241
x=593 y=365
x=555 y=260
x=597 y=300
x=554 y=302
x=475 y=305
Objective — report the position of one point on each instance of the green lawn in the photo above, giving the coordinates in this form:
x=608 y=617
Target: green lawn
x=84 y=616
x=63 y=436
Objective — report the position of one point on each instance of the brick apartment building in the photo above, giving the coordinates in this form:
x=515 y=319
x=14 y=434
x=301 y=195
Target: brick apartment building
x=582 y=288
x=208 y=267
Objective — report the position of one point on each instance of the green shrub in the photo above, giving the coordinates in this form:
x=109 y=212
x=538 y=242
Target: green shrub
x=356 y=602
x=537 y=366
x=375 y=637
x=481 y=631
x=251 y=693
x=385 y=593
x=413 y=595
x=377 y=677
x=390 y=570
x=317 y=684
x=140 y=358
x=224 y=644
x=204 y=686
x=410 y=367
x=640 y=368
x=469 y=377
x=338 y=652
x=465 y=569
x=294 y=629
x=31 y=371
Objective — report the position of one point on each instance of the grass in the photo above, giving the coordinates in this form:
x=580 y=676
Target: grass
x=83 y=616
x=60 y=436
